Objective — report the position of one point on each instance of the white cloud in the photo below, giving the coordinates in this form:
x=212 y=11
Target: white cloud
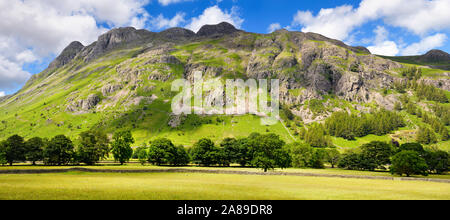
x=383 y=46
x=425 y=45
x=387 y=48
x=418 y=16
x=273 y=27
x=332 y=22
x=161 y=22
x=381 y=34
x=26 y=56
x=215 y=15
x=168 y=2
x=2 y=94
x=31 y=30
x=117 y=13
x=11 y=74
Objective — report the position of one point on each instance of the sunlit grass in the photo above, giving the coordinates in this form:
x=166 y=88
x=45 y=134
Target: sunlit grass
x=137 y=166
x=186 y=186
x=343 y=143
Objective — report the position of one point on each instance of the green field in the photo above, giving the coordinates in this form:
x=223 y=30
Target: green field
x=134 y=166
x=186 y=186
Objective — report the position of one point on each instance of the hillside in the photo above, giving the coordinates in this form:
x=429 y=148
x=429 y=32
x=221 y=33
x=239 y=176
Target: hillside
x=123 y=81
x=434 y=59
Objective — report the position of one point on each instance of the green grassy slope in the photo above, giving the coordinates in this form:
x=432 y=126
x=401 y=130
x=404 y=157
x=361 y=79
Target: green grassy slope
x=40 y=108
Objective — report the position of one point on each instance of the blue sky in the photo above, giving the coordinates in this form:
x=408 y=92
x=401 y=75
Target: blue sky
x=34 y=32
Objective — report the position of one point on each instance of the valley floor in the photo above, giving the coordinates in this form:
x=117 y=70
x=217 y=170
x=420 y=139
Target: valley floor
x=206 y=186
x=137 y=166
x=190 y=186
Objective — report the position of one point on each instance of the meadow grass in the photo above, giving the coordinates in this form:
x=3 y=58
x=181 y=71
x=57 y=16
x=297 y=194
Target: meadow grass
x=188 y=186
x=136 y=166
x=343 y=143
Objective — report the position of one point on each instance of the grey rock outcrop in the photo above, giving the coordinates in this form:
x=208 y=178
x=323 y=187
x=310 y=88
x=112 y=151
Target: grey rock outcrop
x=67 y=55
x=166 y=59
x=351 y=88
x=84 y=104
x=116 y=37
x=109 y=89
x=218 y=30
x=175 y=120
x=177 y=34
x=90 y=102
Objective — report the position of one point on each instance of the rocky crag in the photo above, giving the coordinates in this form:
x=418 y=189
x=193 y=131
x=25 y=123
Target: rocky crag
x=128 y=68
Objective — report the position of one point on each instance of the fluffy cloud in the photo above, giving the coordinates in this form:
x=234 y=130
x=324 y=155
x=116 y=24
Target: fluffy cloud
x=332 y=22
x=387 y=48
x=418 y=16
x=161 y=22
x=425 y=45
x=2 y=94
x=119 y=13
x=273 y=27
x=383 y=46
x=215 y=15
x=33 y=29
x=11 y=74
x=168 y=2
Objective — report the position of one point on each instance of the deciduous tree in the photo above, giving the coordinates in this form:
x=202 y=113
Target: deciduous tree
x=59 y=151
x=409 y=163
x=121 y=146
x=35 y=149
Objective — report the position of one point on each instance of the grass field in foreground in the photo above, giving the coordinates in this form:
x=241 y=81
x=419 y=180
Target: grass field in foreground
x=186 y=186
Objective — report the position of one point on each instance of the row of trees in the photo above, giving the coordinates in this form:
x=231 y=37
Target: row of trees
x=304 y=156
x=162 y=152
x=92 y=147
x=350 y=126
x=409 y=159
x=261 y=151
x=266 y=151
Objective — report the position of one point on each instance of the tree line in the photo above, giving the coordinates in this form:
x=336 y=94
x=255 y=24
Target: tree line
x=408 y=158
x=92 y=147
x=257 y=150
x=350 y=126
x=265 y=151
x=261 y=151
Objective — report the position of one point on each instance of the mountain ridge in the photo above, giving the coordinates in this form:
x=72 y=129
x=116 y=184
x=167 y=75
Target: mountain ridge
x=103 y=44
x=129 y=34
x=123 y=81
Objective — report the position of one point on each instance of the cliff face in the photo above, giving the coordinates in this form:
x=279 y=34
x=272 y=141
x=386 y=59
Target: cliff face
x=67 y=55
x=309 y=62
x=129 y=69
